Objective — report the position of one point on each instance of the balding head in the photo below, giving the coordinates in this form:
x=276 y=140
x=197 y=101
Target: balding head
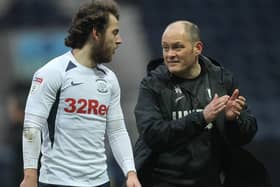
x=185 y=27
x=181 y=47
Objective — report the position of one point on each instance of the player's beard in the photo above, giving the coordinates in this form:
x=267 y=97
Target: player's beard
x=100 y=52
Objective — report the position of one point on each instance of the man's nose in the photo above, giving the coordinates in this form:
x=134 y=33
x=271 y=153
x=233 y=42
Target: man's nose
x=119 y=40
x=171 y=53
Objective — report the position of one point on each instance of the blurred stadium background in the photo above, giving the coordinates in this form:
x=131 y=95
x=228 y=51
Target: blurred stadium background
x=243 y=35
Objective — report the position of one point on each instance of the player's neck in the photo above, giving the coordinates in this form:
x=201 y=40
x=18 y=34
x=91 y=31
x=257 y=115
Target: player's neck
x=83 y=57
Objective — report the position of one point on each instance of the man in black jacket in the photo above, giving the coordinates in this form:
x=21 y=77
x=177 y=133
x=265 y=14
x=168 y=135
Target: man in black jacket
x=190 y=116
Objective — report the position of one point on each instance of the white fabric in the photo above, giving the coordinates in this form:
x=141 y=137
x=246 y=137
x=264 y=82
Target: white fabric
x=121 y=145
x=31 y=141
x=89 y=100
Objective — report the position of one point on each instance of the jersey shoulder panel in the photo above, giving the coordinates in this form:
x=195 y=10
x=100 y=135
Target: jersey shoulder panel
x=57 y=64
x=45 y=84
x=109 y=74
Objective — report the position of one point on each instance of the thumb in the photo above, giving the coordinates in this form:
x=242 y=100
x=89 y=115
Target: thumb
x=215 y=96
x=234 y=95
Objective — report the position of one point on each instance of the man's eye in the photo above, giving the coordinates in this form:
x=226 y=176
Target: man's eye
x=178 y=47
x=115 y=32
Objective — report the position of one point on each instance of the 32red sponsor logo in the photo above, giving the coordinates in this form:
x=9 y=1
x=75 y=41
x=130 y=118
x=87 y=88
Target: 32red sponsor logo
x=85 y=106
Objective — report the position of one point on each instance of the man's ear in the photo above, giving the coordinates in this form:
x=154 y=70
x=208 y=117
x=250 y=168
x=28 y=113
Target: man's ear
x=198 y=47
x=95 y=34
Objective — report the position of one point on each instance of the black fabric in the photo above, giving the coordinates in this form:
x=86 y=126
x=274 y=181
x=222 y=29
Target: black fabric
x=144 y=162
x=70 y=66
x=158 y=182
x=52 y=117
x=246 y=171
x=166 y=144
x=53 y=185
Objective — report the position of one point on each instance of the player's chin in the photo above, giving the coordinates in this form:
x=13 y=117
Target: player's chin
x=107 y=61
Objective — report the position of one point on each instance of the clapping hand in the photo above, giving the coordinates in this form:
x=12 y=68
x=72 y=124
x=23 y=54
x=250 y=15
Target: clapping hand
x=234 y=105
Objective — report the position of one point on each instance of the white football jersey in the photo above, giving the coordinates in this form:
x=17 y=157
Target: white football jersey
x=77 y=102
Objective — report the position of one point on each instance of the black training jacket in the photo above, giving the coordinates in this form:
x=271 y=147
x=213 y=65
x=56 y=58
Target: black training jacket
x=174 y=139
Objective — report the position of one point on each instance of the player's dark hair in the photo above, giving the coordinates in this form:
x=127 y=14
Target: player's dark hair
x=91 y=15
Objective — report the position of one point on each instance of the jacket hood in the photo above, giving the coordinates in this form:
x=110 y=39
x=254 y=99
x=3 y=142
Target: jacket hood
x=157 y=68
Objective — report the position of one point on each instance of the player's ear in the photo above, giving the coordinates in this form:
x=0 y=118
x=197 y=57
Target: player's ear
x=198 y=47
x=95 y=34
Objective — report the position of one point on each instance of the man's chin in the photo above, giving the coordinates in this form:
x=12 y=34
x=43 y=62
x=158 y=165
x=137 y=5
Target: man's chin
x=104 y=60
x=173 y=69
x=107 y=60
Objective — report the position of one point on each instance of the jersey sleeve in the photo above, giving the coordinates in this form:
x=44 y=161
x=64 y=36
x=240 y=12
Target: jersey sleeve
x=115 y=110
x=121 y=146
x=116 y=130
x=45 y=84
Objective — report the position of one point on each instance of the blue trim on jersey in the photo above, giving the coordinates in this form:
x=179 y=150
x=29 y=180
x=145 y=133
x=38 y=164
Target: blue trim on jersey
x=52 y=117
x=70 y=65
x=100 y=69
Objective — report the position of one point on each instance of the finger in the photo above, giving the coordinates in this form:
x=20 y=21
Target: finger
x=242 y=98
x=238 y=107
x=240 y=102
x=221 y=99
x=215 y=96
x=237 y=113
x=234 y=94
x=218 y=101
x=220 y=108
x=224 y=99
